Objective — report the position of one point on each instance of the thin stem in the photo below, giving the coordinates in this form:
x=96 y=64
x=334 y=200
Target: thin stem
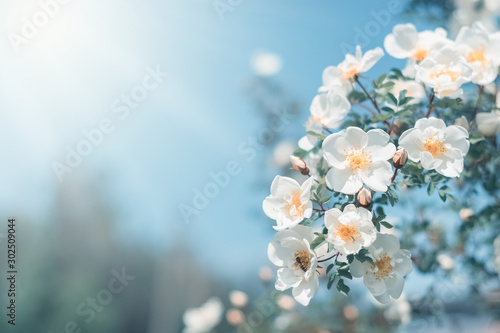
x=478 y=103
x=431 y=99
x=374 y=102
x=394 y=176
x=326 y=259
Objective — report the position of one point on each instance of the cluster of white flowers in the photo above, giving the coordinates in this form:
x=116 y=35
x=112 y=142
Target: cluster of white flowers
x=357 y=162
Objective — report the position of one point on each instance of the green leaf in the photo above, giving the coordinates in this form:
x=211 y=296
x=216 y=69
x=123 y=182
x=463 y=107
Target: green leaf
x=329 y=268
x=345 y=273
x=342 y=287
x=476 y=137
x=380 y=118
x=320 y=239
x=331 y=280
x=391 y=99
x=431 y=188
x=387 y=224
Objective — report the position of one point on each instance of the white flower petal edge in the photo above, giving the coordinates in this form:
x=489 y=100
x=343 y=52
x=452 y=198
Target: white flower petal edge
x=340 y=79
x=329 y=110
x=289 y=202
x=384 y=278
x=204 y=318
x=358 y=158
x=406 y=42
x=350 y=230
x=291 y=252
x=437 y=146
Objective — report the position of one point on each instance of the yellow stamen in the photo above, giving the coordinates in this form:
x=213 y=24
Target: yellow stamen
x=420 y=54
x=384 y=267
x=477 y=55
x=358 y=158
x=302 y=260
x=434 y=146
x=348 y=233
x=295 y=202
x=351 y=73
x=452 y=74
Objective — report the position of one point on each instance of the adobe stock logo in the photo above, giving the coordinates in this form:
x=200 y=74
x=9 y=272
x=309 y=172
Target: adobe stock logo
x=30 y=27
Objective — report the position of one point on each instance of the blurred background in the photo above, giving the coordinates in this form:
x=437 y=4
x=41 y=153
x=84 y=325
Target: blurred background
x=140 y=137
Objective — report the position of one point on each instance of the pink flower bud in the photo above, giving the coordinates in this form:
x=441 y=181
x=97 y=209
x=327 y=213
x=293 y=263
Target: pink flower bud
x=299 y=165
x=365 y=197
x=400 y=158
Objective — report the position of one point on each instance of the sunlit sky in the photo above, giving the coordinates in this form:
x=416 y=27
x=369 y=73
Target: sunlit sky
x=67 y=76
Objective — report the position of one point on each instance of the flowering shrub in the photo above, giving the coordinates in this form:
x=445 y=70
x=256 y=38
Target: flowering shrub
x=430 y=125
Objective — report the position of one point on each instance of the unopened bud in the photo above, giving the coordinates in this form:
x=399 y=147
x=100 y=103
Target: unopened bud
x=299 y=165
x=365 y=197
x=400 y=158
x=462 y=121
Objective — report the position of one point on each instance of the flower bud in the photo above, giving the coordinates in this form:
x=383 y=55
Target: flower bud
x=400 y=158
x=299 y=165
x=365 y=197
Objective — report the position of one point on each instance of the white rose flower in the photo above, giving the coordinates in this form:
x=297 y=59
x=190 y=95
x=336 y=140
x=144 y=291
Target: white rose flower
x=291 y=252
x=481 y=50
x=340 y=79
x=351 y=229
x=413 y=89
x=406 y=43
x=437 y=146
x=204 y=318
x=488 y=123
x=385 y=277
x=358 y=157
x=327 y=111
x=289 y=202
x=445 y=71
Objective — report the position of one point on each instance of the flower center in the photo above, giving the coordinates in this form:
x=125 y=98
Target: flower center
x=477 y=55
x=357 y=158
x=419 y=53
x=297 y=204
x=434 y=146
x=348 y=233
x=384 y=267
x=445 y=71
x=302 y=260
x=351 y=73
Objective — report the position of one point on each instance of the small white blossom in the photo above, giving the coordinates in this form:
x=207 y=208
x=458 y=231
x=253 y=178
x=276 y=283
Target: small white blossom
x=406 y=42
x=437 y=146
x=488 y=123
x=445 y=71
x=340 y=78
x=291 y=252
x=204 y=318
x=481 y=50
x=289 y=202
x=385 y=277
x=351 y=229
x=358 y=157
x=327 y=111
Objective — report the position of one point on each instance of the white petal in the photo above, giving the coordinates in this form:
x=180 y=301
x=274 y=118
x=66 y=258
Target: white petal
x=286 y=278
x=306 y=290
x=401 y=42
x=331 y=217
x=452 y=163
x=377 y=175
x=358 y=269
x=457 y=137
x=411 y=140
x=272 y=206
x=283 y=186
x=370 y=58
x=343 y=180
x=277 y=254
x=378 y=145
x=488 y=123
x=395 y=285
